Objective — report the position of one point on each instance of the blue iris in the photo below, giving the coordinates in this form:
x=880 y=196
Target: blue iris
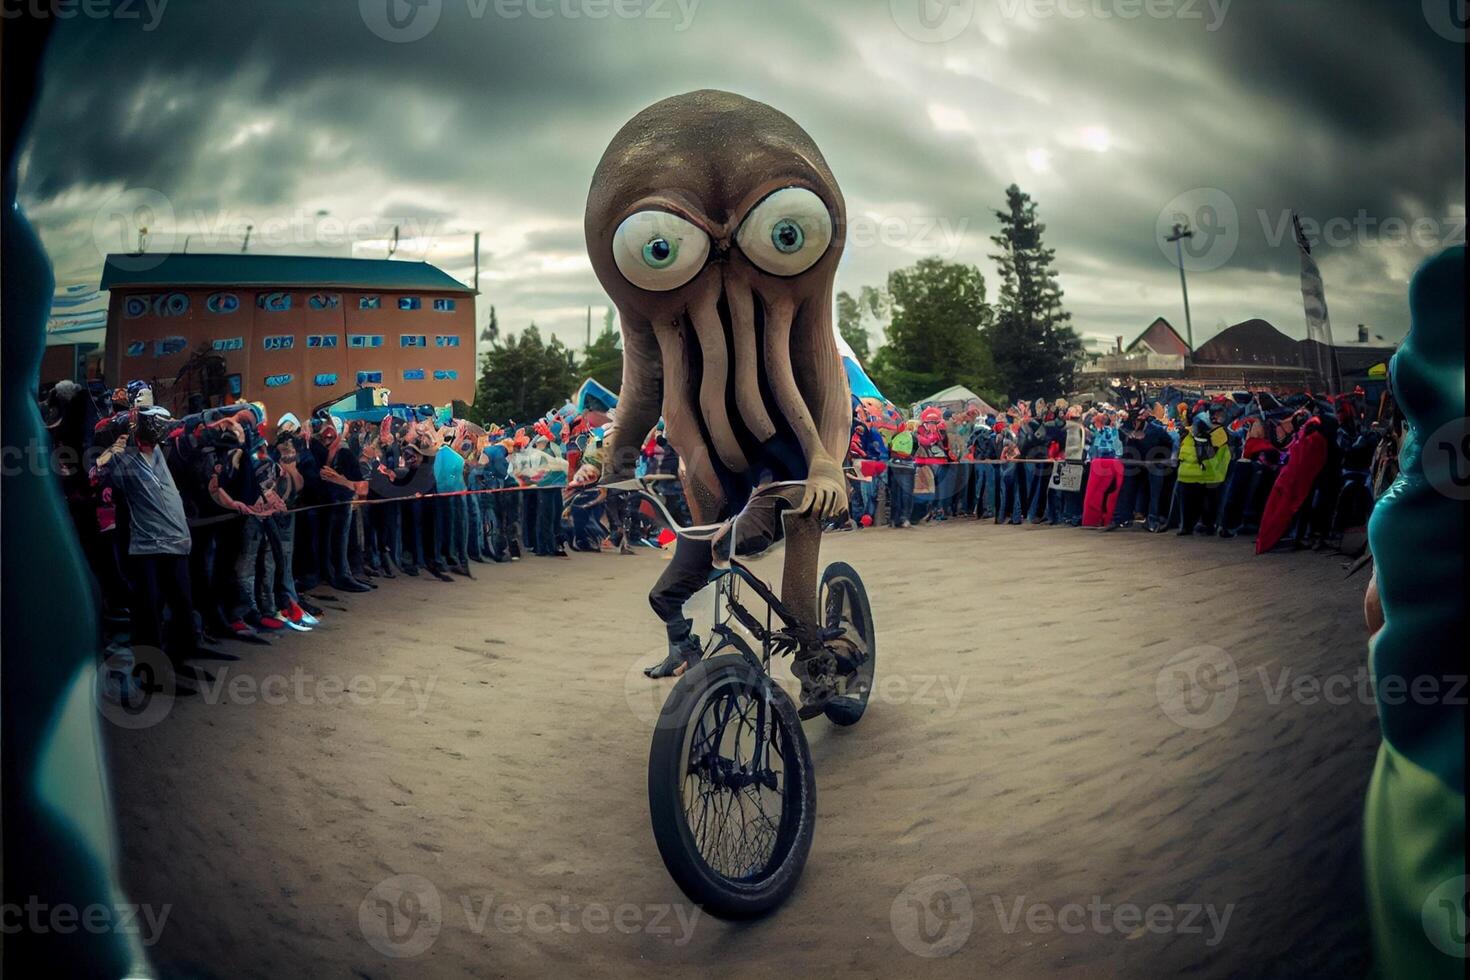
x=787 y=236
x=660 y=253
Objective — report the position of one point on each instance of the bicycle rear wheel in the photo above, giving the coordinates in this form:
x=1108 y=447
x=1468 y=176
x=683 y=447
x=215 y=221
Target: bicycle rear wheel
x=731 y=789
x=843 y=602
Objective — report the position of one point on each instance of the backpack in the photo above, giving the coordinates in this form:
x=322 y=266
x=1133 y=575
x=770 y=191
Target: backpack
x=902 y=444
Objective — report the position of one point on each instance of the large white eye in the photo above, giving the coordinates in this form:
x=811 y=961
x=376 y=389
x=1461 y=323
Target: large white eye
x=658 y=250
x=787 y=232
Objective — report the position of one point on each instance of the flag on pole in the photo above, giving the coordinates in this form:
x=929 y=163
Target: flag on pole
x=1314 y=304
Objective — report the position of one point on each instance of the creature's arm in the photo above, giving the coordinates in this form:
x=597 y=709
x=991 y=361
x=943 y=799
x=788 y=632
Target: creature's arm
x=819 y=427
x=639 y=402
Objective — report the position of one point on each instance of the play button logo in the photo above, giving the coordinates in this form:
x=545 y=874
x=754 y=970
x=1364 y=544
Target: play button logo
x=400 y=21
x=932 y=21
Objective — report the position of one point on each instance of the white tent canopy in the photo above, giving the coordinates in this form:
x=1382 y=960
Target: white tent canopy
x=955 y=398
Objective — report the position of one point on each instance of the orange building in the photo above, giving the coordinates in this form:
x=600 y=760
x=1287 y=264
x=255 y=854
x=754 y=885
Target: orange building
x=288 y=331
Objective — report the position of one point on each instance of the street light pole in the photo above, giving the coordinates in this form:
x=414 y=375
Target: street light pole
x=1181 y=232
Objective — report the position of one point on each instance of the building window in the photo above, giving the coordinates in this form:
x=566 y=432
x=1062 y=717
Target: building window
x=370 y=377
x=222 y=303
x=171 y=304
x=324 y=380
x=137 y=347
x=277 y=380
x=446 y=340
x=324 y=301
x=164 y=346
x=410 y=303
x=280 y=342
x=369 y=302
x=413 y=374
x=229 y=343
x=321 y=340
x=273 y=302
x=446 y=375
x=411 y=340
x=363 y=340
x=443 y=306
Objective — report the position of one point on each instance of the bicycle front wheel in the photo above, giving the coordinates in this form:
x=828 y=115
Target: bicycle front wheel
x=731 y=789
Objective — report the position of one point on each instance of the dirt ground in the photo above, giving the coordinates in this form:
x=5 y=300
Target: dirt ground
x=1088 y=755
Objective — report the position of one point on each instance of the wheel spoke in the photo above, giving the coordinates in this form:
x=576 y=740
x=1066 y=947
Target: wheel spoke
x=733 y=815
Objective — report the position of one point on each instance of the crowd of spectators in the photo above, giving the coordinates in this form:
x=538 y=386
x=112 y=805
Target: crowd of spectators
x=1202 y=467
x=222 y=523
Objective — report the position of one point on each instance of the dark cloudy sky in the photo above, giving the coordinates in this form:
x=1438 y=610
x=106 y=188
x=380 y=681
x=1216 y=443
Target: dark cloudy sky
x=326 y=123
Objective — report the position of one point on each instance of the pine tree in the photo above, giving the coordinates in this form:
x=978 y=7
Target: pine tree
x=1036 y=353
x=491 y=333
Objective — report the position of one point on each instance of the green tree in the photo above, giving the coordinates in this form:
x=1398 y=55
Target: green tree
x=1036 y=353
x=935 y=337
x=604 y=359
x=522 y=378
x=850 y=325
x=491 y=333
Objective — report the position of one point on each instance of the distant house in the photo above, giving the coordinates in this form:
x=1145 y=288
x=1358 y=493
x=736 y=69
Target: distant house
x=1159 y=337
x=1157 y=352
x=289 y=331
x=1257 y=353
x=1249 y=354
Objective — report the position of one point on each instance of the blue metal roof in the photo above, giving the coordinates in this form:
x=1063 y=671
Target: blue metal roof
x=154 y=269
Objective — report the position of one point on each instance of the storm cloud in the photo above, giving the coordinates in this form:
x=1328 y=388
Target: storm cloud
x=324 y=125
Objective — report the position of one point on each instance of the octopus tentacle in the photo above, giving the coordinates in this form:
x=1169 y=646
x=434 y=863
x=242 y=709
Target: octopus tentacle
x=714 y=377
x=747 y=361
x=639 y=400
x=780 y=312
x=820 y=375
x=681 y=423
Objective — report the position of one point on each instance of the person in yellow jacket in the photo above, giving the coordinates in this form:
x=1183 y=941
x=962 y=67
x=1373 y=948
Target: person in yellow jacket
x=1204 y=459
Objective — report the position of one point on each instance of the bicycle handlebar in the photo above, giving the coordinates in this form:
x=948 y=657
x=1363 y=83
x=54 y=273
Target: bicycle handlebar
x=639 y=485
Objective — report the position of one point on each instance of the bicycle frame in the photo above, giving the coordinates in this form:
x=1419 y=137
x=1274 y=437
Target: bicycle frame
x=792 y=634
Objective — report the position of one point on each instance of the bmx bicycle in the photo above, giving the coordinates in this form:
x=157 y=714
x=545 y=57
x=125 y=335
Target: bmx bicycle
x=731 y=790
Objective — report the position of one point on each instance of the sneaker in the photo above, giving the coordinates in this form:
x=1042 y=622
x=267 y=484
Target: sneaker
x=299 y=615
x=818 y=677
x=272 y=623
x=682 y=655
x=242 y=630
x=299 y=625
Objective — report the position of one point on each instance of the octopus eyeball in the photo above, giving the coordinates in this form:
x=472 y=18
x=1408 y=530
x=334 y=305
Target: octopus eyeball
x=787 y=232
x=659 y=251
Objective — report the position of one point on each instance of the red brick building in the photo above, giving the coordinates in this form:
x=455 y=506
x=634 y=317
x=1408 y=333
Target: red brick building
x=288 y=331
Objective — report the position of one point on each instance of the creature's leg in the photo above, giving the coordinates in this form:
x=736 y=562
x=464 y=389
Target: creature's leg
x=799 y=576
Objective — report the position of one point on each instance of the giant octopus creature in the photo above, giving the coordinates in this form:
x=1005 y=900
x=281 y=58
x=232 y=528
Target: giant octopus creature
x=715 y=225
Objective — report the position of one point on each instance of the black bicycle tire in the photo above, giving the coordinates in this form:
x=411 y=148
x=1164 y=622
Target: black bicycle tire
x=713 y=892
x=845 y=711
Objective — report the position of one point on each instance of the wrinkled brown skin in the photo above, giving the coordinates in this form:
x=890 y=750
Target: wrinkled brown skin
x=710 y=157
